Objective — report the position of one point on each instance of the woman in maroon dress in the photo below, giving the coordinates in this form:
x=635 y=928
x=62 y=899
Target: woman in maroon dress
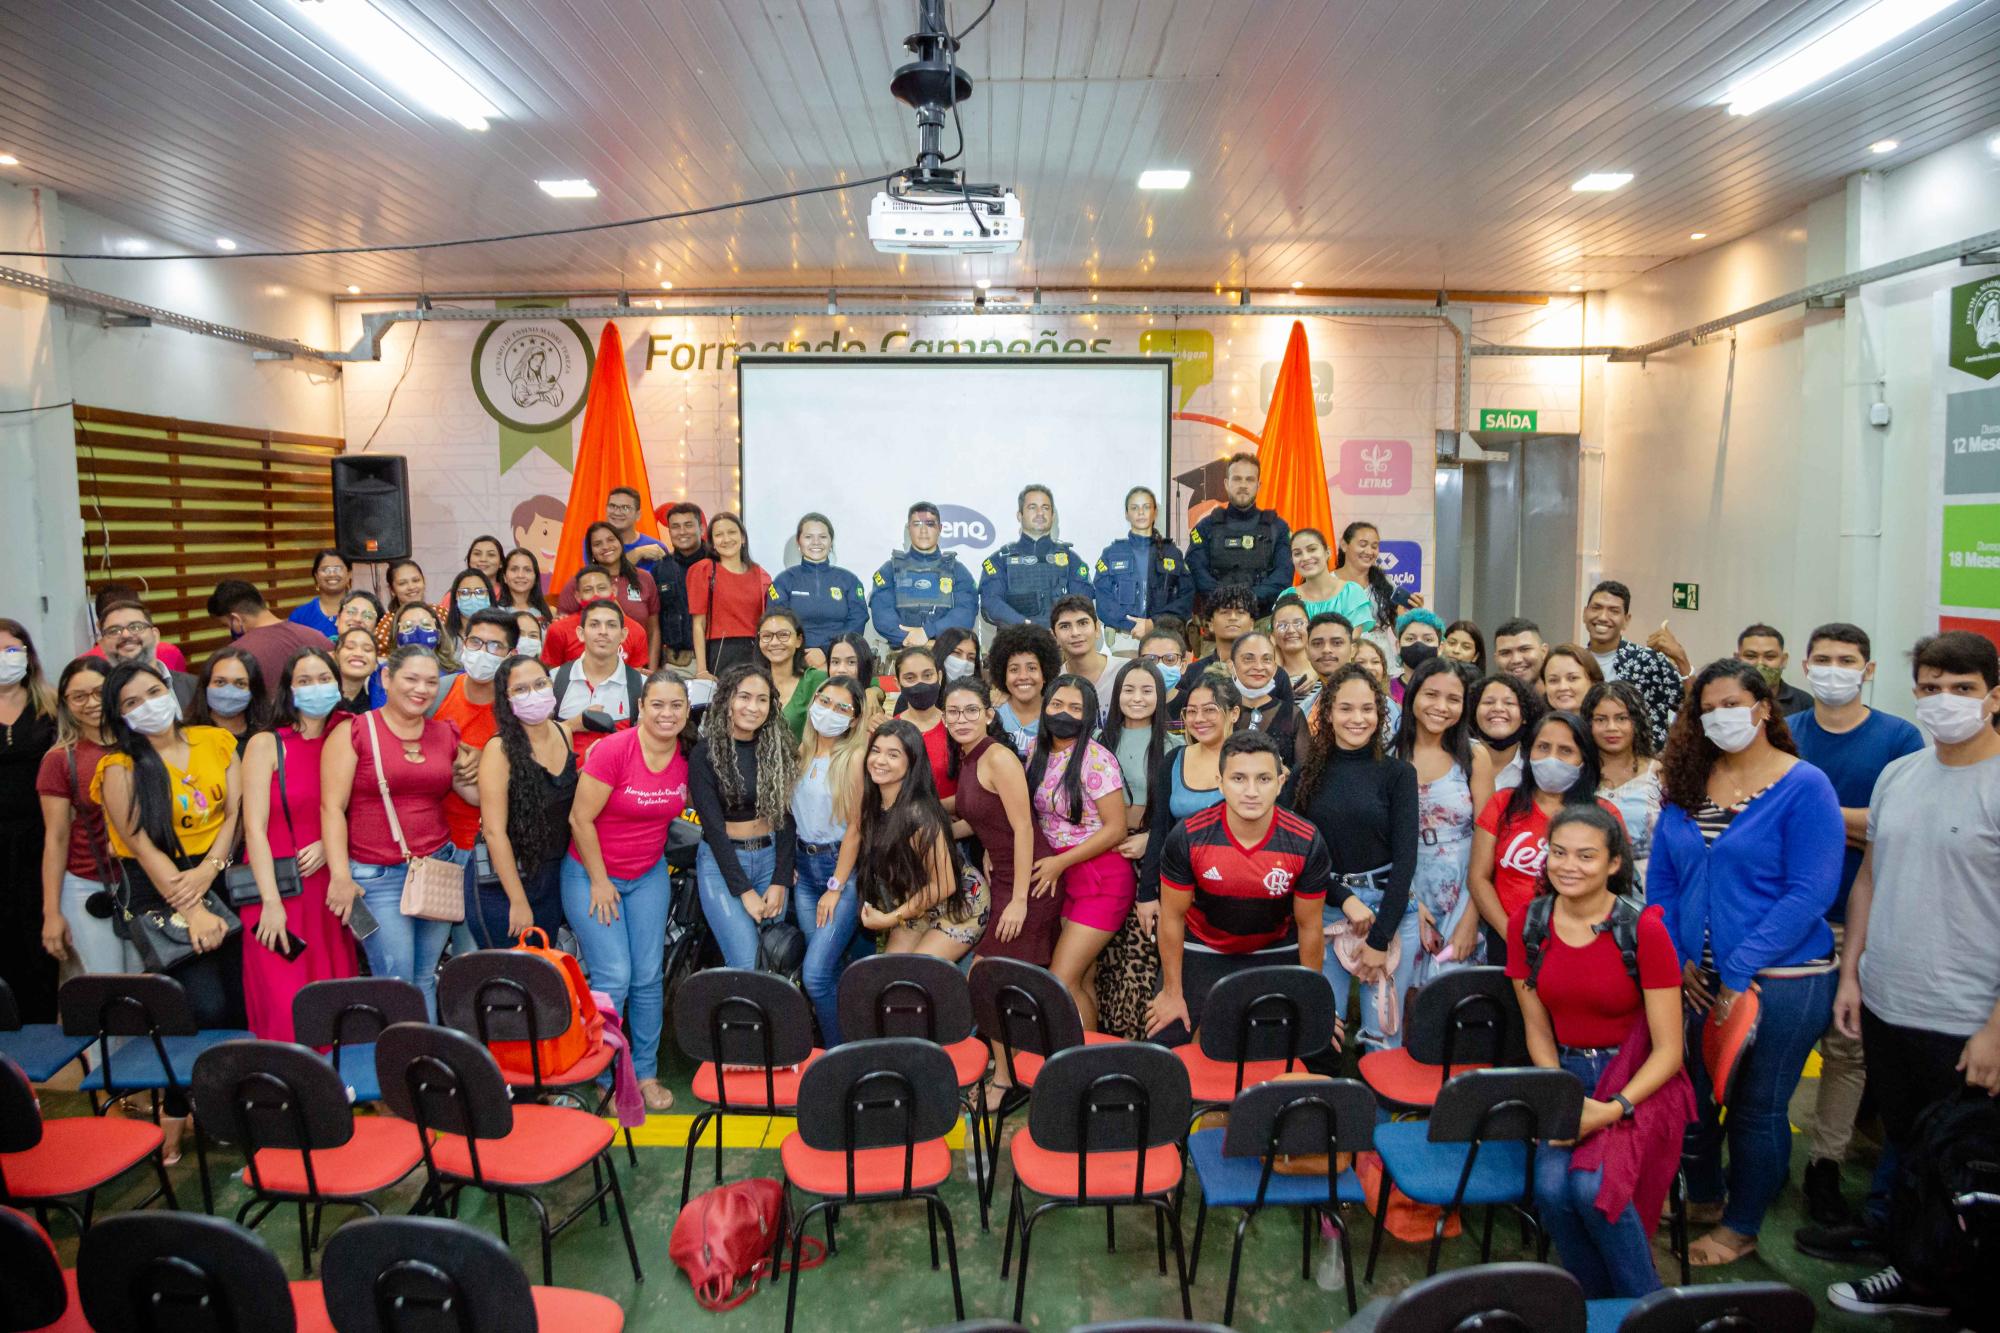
x=994 y=807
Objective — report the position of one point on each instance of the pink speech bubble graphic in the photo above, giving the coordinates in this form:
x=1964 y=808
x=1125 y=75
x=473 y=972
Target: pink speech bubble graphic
x=1374 y=467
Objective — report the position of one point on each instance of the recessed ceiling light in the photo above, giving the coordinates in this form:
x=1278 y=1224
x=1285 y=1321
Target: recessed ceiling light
x=1163 y=178
x=666 y=286
x=224 y=243
x=1877 y=25
x=1599 y=182
x=1297 y=285
x=1697 y=236
x=353 y=289
x=983 y=284
x=1576 y=286
x=400 y=60
x=568 y=189
x=1884 y=146
x=9 y=160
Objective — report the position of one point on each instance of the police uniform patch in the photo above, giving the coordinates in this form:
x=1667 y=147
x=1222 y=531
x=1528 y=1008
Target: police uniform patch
x=1167 y=564
x=989 y=566
x=771 y=593
x=1059 y=558
x=880 y=582
x=1194 y=538
x=1100 y=566
x=944 y=584
x=833 y=593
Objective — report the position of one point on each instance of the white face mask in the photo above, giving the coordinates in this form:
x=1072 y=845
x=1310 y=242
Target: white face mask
x=829 y=722
x=13 y=666
x=156 y=716
x=1255 y=693
x=1952 y=718
x=529 y=648
x=1730 y=728
x=957 y=668
x=1834 y=686
x=478 y=664
x=1554 y=775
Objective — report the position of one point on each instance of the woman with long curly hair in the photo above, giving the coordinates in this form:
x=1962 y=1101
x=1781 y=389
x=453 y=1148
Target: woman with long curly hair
x=527 y=786
x=1746 y=861
x=913 y=885
x=740 y=780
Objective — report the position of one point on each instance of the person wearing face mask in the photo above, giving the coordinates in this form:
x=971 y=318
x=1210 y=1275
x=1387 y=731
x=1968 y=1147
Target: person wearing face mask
x=826 y=906
x=1141 y=576
x=28 y=728
x=1746 y=861
x=1419 y=634
x=1920 y=977
x=281 y=800
x=417 y=626
x=1164 y=647
x=527 y=787
x=828 y=600
x=781 y=646
x=958 y=655
x=471 y=592
x=1241 y=544
x=1763 y=647
x=1267 y=697
x=488 y=639
x=1504 y=710
x=921 y=590
x=528 y=627
x=1852 y=744
x=1510 y=839
x=1024 y=579
x=918 y=683
x=1567 y=674
x=231 y=695
x=252 y=627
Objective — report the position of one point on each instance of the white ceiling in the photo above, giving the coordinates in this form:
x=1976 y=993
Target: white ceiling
x=1334 y=143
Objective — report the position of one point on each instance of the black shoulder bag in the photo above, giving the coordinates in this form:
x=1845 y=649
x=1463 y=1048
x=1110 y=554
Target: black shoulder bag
x=239 y=882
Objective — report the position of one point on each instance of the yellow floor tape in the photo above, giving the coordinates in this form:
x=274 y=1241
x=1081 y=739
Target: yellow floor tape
x=738 y=1131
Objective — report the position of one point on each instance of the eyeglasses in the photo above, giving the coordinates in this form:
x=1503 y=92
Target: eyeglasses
x=1201 y=711
x=835 y=705
x=488 y=645
x=84 y=698
x=964 y=714
x=775 y=636
x=134 y=630
x=621 y=509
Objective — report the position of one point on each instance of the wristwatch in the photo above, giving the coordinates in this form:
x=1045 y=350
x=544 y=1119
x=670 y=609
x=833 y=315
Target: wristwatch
x=833 y=884
x=1624 y=1102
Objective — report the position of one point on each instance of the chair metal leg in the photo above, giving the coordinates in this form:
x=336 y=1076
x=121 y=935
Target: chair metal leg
x=1007 y=1247
x=792 y=1281
x=930 y=1217
x=624 y=1220
x=201 y=1166
x=1346 y=1259
x=1160 y=1239
x=1381 y=1214
x=1235 y=1265
x=1306 y=1218
x=1486 y=1239
x=305 y=1239
x=1110 y=1231
x=597 y=1187
x=1021 y=1274
x=500 y=1202
x=631 y=1150
x=548 y=1241
x=1180 y=1260
x=693 y=1143
x=167 y=1185
x=718 y=1144
x=1437 y=1243
x=1200 y=1224
x=951 y=1252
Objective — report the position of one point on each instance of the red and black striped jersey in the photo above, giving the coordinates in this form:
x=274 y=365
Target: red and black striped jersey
x=1243 y=895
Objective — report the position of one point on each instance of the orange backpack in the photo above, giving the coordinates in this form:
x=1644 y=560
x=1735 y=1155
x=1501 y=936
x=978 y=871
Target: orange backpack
x=583 y=1036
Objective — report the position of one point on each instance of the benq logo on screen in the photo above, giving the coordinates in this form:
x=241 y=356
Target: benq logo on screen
x=964 y=527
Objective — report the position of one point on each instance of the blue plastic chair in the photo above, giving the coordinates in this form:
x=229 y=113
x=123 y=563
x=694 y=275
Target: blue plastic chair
x=40 y=1049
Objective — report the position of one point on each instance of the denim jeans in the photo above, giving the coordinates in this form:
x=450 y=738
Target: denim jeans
x=826 y=948
x=1372 y=1035
x=404 y=947
x=487 y=909
x=98 y=948
x=1795 y=1010
x=731 y=925
x=627 y=958
x=1608 y=1259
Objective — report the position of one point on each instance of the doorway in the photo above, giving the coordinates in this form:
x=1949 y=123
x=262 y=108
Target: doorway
x=1507 y=525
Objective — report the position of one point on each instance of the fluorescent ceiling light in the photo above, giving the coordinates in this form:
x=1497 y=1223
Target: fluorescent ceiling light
x=1599 y=182
x=1877 y=25
x=1163 y=178
x=400 y=60
x=1884 y=146
x=224 y=243
x=568 y=189
x=132 y=245
x=9 y=160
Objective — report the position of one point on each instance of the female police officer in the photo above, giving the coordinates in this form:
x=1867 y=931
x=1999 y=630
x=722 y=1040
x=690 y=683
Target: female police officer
x=827 y=599
x=1141 y=577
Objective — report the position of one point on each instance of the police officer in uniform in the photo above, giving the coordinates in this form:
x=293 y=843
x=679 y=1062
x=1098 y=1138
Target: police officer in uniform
x=1141 y=577
x=922 y=591
x=1241 y=543
x=1023 y=579
x=827 y=599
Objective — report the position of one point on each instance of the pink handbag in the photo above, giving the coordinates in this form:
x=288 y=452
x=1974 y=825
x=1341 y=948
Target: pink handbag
x=433 y=886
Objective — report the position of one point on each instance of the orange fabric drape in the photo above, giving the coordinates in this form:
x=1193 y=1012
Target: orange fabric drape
x=607 y=455
x=1293 y=473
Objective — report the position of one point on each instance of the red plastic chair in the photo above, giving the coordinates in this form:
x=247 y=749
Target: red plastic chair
x=1466 y=1019
x=1255 y=1026
x=46 y=1164
x=407 y=1274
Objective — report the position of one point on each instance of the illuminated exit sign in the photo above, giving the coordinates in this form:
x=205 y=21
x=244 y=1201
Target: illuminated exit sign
x=1507 y=419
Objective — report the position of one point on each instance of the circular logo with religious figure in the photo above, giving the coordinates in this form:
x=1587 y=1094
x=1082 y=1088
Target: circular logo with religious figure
x=532 y=374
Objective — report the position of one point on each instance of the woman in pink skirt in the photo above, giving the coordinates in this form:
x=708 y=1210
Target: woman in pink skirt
x=1079 y=800
x=290 y=941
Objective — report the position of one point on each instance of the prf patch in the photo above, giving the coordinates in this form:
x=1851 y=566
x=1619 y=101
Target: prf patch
x=944 y=584
x=1100 y=567
x=771 y=593
x=880 y=582
x=989 y=566
x=1194 y=538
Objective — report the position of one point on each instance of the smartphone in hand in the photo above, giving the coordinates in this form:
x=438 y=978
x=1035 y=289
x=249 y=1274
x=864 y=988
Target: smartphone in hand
x=362 y=921
x=293 y=946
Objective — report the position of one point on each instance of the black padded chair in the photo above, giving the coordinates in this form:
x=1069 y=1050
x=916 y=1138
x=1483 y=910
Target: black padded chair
x=345 y=1016
x=287 y=1109
x=914 y=995
x=1491 y=1298
x=1256 y=1025
x=1466 y=1019
x=752 y=1034
x=37 y=1290
x=1733 y=1307
x=513 y=995
x=873 y=1115
x=1104 y=1129
x=1235 y=1164
x=188 y=1273
x=1478 y=1147
x=419 y=1274
x=473 y=1134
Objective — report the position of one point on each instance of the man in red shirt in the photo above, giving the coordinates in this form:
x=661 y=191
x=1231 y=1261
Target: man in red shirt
x=1241 y=885
x=564 y=641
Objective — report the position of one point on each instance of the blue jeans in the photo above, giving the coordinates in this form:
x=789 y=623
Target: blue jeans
x=1795 y=1012
x=731 y=925
x=626 y=959
x=487 y=909
x=404 y=947
x=1407 y=931
x=1608 y=1259
x=826 y=949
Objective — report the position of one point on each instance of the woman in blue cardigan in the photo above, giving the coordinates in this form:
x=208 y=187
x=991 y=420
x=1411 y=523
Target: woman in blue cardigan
x=1746 y=862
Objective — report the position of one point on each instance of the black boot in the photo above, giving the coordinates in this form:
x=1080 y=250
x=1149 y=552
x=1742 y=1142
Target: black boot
x=1822 y=1191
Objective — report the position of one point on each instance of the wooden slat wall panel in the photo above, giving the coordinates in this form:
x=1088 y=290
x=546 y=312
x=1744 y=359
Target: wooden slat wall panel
x=174 y=507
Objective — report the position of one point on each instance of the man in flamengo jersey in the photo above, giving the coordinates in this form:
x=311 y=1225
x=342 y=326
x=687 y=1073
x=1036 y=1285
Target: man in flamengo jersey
x=1241 y=885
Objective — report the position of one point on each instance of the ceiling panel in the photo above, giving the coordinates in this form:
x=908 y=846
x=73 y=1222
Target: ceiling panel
x=1370 y=143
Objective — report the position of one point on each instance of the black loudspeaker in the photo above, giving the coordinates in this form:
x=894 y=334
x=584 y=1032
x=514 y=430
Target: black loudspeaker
x=371 y=507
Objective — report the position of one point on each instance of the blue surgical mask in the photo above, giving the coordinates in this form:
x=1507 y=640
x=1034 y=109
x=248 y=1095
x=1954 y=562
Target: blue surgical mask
x=228 y=700
x=1170 y=672
x=418 y=636
x=472 y=603
x=316 y=700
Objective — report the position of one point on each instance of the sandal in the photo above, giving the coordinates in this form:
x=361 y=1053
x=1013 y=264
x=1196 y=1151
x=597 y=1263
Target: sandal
x=657 y=1096
x=1714 y=1251
x=996 y=1094
x=1705 y=1214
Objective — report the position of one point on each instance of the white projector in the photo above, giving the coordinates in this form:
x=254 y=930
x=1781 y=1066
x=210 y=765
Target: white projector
x=922 y=222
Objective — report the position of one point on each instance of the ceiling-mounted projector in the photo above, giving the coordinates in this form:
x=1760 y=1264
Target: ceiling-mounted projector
x=929 y=209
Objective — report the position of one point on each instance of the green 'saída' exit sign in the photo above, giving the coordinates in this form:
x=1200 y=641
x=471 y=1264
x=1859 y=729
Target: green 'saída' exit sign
x=1507 y=419
x=1687 y=597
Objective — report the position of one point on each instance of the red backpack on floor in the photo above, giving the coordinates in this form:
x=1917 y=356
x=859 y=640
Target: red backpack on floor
x=729 y=1234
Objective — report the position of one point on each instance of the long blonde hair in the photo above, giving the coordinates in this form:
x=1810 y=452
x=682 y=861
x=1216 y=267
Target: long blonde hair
x=41 y=695
x=846 y=750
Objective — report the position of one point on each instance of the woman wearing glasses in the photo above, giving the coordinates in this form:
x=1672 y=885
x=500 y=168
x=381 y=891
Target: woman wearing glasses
x=781 y=642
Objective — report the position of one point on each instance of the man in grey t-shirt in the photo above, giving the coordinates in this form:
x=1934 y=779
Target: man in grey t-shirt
x=1920 y=978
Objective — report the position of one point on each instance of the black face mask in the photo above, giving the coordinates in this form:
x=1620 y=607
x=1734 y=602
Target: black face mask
x=921 y=698
x=1416 y=654
x=1507 y=742
x=1062 y=726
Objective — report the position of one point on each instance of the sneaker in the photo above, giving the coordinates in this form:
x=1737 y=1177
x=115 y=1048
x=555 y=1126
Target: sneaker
x=1842 y=1245
x=1884 y=1293
x=1822 y=1191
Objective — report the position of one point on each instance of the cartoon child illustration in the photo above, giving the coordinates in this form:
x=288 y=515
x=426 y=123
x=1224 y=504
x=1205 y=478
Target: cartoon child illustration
x=537 y=525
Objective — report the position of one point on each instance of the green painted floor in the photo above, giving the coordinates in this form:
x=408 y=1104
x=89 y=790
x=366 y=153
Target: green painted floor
x=881 y=1278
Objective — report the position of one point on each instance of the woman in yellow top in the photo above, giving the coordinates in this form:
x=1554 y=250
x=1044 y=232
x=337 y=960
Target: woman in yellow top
x=170 y=796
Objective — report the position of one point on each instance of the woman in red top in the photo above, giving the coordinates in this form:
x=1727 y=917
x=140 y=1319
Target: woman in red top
x=1510 y=836
x=76 y=862
x=726 y=595
x=364 y=858
x=1579 y=1008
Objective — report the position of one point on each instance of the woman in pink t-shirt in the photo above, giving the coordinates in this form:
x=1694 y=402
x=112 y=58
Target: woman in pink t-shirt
x=615 y=890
